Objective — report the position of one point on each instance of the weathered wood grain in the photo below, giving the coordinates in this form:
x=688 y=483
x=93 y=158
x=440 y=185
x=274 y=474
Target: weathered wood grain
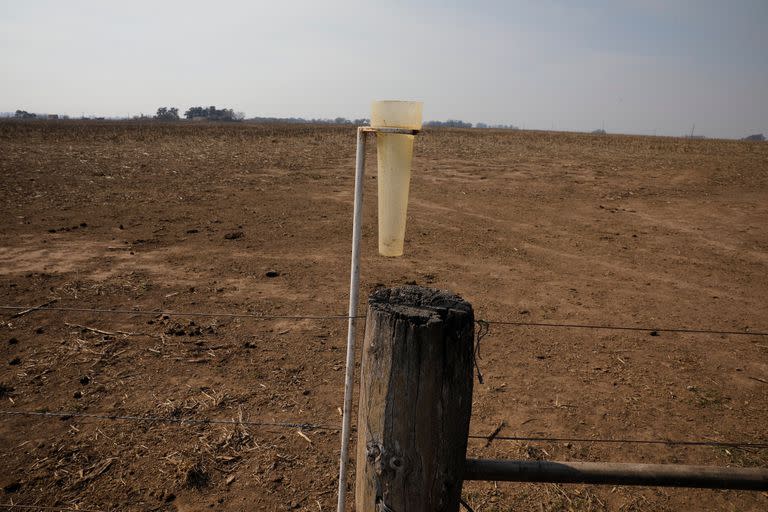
x=415 y=400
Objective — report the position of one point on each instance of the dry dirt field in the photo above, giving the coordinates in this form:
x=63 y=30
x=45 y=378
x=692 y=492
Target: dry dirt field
x=527 y=226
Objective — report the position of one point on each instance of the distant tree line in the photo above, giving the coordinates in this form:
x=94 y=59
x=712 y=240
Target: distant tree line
x=213 y=114
x=451 y=123
x=23 y=114
x=497 y=126
x=167 y=114
x=457 y=123
x=301 y=120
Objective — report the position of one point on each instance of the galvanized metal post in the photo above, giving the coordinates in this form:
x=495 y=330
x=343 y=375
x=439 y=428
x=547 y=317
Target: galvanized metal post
x=354 y=289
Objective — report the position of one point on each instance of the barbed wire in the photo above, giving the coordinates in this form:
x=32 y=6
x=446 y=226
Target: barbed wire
x=482 y=331
x=652 y=330
x=674 y=442
x=159 y=312
x=264 y=316
x=316 y=426
x=162 y=419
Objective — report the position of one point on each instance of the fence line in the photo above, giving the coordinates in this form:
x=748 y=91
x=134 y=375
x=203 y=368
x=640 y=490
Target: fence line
x=724 y=444
x=262 y=316
x=158 y=312
x=625 y=328
x=160 y=419
x=316 y=426
x=21 y=310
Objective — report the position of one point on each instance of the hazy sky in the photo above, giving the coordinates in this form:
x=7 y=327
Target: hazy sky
x=638 y=65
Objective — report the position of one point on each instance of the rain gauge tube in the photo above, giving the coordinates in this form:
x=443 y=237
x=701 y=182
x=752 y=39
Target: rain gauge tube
x=394 y=152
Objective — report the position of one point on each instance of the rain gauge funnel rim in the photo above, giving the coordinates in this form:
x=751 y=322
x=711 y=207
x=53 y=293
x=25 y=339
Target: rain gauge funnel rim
x=394 y=155
x=396 y=114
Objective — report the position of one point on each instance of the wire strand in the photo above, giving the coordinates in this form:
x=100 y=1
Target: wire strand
x=159 y=419
x=179 y=313
x=733 y=444
x=624 y=328
x=262 y=316
x=315 y=426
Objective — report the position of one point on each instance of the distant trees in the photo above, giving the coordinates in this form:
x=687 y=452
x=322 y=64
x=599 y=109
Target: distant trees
x=210 y=113
x=167 y=114
x=758 y=137
x=497 y=126
x=504 y=126
x=451 y=123
x=23 y=114
x=457 y=123
x=301 y=120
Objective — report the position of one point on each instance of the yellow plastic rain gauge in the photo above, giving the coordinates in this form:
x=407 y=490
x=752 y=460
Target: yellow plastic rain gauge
x=395 y=124
x=394 y=153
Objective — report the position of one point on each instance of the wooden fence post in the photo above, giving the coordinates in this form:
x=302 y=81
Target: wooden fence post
x=415 y=401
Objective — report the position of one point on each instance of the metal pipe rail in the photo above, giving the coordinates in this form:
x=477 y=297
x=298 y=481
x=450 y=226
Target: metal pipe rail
x=610 y=473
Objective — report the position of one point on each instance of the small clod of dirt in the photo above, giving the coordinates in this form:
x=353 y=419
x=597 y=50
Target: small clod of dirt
x=534 y=453
x=235 y=235
x=5 y=389
x=197 y=477
x=176 y=330
x=272 y=273
x=12 y=488
x=191 y=329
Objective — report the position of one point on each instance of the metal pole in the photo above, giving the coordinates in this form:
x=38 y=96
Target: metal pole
x=609 y=473
x=354 y=288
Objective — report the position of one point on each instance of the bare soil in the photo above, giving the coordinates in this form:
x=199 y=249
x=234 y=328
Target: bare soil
x=527 y=226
